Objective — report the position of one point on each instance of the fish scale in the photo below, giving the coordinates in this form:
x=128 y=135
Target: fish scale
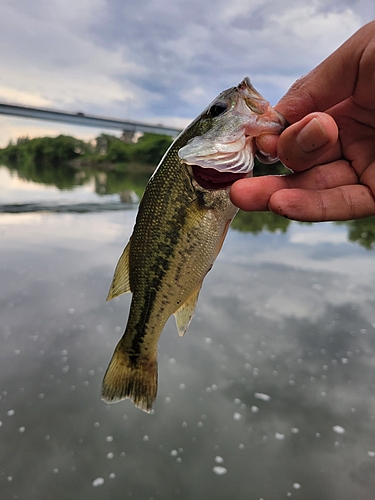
x=179 y=230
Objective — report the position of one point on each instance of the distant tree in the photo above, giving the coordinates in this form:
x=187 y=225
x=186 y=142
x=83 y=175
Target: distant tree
x=150 y=148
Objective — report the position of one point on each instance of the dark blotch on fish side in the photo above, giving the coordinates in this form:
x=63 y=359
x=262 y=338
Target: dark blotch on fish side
x=209 y=178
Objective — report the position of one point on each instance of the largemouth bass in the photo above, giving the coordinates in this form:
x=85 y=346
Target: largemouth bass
x=182 y=221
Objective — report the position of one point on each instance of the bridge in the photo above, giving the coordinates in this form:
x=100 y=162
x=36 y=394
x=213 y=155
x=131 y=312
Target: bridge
x=85 y=119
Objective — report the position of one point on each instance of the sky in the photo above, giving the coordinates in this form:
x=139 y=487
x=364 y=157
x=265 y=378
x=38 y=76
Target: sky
x=158 y=61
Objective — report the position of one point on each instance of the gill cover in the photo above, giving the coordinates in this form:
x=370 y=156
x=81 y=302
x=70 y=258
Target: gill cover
x=229 y=145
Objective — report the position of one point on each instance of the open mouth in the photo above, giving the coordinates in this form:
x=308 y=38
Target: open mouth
x=209 y=178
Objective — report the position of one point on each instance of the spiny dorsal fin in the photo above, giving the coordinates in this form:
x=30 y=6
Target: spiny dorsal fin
x=120 y=283
x=184 y=314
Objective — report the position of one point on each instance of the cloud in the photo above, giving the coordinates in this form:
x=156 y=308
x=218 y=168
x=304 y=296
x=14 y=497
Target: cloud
x=152 y=59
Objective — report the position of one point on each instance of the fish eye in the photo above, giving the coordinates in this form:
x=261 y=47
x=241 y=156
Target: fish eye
x=218 y=108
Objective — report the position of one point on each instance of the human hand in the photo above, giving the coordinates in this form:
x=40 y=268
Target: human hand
x=330 y=144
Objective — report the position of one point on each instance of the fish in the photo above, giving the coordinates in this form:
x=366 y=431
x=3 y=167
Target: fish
x=181 y=224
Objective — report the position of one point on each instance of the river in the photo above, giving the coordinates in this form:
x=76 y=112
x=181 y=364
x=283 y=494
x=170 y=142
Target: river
x=269 y=395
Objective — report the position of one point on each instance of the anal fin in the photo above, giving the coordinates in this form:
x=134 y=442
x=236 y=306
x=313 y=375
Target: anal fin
x=184 y=314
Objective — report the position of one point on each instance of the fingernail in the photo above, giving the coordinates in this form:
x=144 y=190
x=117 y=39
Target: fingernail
x=312 y=136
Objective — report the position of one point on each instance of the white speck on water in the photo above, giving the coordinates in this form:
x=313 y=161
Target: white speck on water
x=279 y=436
x=371 y=453
x=109 y=439
x=10 y=478
x=200 y=424
x=241 y=446
x=184 y=424
x=174 y=453
x=178 y=460
x=112 y=475
x=96 y=424
x=237 y=401
x=16 y=351
x=291 y=382
x=295 y=430
x=71 y=310
x=10 y=413
x=145 y=438
x=172 y=361
x=323 y=394
x=214 y=387
x=220 y=471
x=98 y=482
x=55 y=471
x=41 y=395
x=182 y=387
x=263 y=397
x=338 y=429
x=65 y=369
x=110 y=455
x=167 y=399
x=237 y=416
x=208 y=341
x=344 y=361
x=296 y=486
x=22 y=429
x=254 y=409
x=219 y=460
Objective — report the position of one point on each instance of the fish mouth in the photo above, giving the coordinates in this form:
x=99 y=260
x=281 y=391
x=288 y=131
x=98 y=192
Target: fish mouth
x=212 y=179
x=227 y=150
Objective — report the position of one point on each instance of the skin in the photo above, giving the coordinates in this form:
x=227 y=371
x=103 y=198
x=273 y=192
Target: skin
x=329 y=145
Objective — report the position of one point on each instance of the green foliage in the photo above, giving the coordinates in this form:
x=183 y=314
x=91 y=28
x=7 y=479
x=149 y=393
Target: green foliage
x=118 y=152
x=255 y=222
x=362 y=231
x=47 y=150
x=150 y=148
x=56 y=150
x=273 y=169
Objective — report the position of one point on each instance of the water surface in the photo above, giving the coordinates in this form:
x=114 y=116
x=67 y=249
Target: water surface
x=269 y=395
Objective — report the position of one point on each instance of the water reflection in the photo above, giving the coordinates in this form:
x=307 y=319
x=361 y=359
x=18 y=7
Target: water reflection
x=270 y=394
x=65 y=189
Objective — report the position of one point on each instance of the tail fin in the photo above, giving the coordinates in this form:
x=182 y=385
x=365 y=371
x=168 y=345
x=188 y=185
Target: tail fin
x=126 y=378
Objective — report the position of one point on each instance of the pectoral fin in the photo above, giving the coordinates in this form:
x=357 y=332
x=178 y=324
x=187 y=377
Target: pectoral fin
x=184 y=314
x=120 y=283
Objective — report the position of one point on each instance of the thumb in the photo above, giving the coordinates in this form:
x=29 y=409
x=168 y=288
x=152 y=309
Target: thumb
x=307 y=142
